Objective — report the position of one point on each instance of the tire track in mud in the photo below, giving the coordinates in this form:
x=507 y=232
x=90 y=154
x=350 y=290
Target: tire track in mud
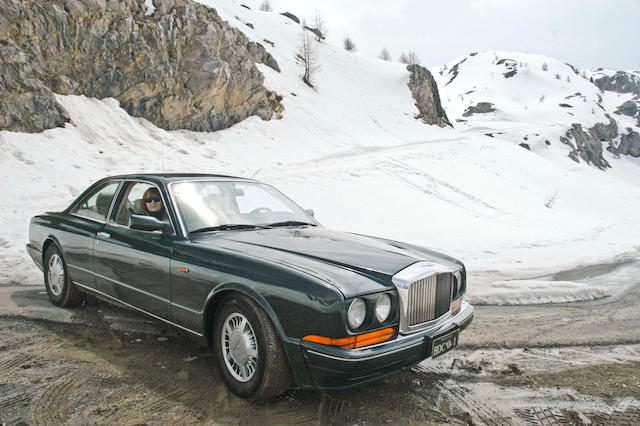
x=125 y=398
x=418 y=404
x=54 y=403
x=626 y=412
x=27 y=355
x=14 y=400
x=542 y=416
x=11 y=365
x=158 y=395
x=479 y=411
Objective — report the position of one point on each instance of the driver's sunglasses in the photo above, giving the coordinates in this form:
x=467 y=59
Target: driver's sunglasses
x=152 y=200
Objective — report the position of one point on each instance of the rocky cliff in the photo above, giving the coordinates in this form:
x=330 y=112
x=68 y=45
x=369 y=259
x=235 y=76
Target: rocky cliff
x=585 y=145
x=425 y=92
x=617 y=81
x=179 y=67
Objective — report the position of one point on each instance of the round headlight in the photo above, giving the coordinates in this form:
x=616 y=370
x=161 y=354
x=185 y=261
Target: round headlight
x=357 y=312
x=383 y=307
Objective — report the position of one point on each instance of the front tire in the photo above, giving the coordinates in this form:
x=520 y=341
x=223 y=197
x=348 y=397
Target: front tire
x=248 y=350
x=60 y=289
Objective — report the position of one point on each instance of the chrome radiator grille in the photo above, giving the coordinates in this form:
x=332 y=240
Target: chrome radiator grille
x=429 y=298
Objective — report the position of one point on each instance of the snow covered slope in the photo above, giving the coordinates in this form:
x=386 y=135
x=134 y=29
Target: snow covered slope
x=351 y=150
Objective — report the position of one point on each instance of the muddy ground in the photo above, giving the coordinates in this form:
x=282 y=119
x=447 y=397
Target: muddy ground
x=572 y=364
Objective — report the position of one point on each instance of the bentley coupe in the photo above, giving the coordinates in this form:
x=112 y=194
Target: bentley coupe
x=281 y=300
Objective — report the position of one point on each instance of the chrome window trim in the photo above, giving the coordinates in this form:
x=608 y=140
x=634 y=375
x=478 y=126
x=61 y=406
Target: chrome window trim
x=403 y=280
x=93 y=290
x=87 y=218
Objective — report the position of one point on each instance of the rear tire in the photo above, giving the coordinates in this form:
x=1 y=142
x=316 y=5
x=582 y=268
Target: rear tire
x=60 y=289
x=248 y=351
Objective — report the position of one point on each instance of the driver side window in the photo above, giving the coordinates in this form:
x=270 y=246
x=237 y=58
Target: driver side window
x=133 y=202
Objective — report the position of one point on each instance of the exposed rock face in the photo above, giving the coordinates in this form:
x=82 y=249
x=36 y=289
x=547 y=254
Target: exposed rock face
x=454 y=71
x=587 y=146
x=291 y=16
x=629 y=144
x=425 y=92
x=629 y=108
x=606 y=132
x=181 y=67
x=511 y=67
x=480 y=108
x=621 y=82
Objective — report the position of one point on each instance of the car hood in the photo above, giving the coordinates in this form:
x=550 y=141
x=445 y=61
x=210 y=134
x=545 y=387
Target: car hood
x=355 y=264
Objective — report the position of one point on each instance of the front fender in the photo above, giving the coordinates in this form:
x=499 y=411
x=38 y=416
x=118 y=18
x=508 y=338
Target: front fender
x=219 y=293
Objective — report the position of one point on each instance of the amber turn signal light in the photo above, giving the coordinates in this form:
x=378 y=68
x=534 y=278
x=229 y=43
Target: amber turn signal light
x=353 y=342
x=455 y=305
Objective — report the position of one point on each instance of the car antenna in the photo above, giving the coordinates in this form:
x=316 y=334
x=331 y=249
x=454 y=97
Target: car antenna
x=162 y=144
x=256 y=172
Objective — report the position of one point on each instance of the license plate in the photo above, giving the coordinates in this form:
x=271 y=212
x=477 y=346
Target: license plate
x=444 y=343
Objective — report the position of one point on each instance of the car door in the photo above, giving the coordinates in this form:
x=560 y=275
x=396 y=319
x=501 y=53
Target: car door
x=78 y=230
x=133 y=265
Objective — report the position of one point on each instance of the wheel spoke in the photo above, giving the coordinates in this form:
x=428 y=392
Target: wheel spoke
x=227 y=331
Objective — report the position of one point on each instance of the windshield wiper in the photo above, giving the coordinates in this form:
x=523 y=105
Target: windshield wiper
x=227 y=227
x=290 y=223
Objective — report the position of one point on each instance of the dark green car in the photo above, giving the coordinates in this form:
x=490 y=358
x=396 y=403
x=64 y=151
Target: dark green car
x=281 y=300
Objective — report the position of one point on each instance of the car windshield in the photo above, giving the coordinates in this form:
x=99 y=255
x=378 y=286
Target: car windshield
x=230 y=205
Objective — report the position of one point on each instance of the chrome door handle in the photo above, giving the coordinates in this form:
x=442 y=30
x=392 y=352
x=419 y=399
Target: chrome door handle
x=103 y=235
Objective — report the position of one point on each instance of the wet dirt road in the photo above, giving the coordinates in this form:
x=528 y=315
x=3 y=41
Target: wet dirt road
x=573 y=364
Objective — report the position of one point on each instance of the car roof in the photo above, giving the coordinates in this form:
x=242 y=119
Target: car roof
x=173 y=177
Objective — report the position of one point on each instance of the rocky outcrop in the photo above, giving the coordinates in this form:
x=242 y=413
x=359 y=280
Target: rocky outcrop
x=621 y=82
x=606 y=132
x=480 y=108
x=629 y=144
x=291 y=16
x=425 y=92
x=629 y=108
x=511 y=67
x=454 y=71
x=584 y=145
x=180 y=67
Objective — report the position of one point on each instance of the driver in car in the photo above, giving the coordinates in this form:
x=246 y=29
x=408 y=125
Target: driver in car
x=153 y=205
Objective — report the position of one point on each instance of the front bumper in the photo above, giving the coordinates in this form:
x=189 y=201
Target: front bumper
x=336 y=368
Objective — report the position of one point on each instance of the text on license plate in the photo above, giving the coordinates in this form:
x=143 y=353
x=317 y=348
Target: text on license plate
x=444 y=343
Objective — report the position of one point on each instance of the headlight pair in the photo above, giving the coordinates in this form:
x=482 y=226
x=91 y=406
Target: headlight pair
x=358 y=310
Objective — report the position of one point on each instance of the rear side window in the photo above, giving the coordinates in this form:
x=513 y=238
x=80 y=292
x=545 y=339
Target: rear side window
x=96 y=205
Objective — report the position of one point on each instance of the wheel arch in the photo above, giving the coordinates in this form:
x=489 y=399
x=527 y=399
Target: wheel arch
x=47 y=243
x=217 y=297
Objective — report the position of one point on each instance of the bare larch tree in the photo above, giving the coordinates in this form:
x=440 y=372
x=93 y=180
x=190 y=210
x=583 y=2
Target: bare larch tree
x=384 y=54
x=308 y=55
x=266 y=6
x=318 y=24
x=412 y=58
x=349 y=45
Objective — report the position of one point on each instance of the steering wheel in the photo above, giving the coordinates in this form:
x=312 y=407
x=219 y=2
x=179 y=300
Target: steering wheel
x=261 y=210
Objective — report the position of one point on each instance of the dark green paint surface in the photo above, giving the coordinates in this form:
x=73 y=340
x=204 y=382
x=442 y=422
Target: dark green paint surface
x=301 y=276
